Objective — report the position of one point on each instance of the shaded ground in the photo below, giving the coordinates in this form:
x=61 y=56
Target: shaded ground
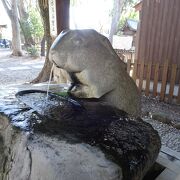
x=165 y=118
x=153 y=107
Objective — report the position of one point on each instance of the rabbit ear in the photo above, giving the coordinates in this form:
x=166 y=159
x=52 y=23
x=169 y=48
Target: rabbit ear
x=64 y=31
x=106 y=43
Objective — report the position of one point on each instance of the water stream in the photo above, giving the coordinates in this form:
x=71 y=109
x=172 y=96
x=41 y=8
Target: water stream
x=50 y=77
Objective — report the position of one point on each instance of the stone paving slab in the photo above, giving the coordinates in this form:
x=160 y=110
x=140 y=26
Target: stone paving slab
x=15 y=70
x=2 y=69
x=18 y=68
x=33 y=62
x=38 y=66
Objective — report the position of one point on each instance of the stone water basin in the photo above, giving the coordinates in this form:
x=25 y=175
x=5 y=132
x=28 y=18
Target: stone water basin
x=78 y=139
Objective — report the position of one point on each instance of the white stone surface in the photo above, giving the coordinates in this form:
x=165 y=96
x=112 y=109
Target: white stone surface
x=19 y=68
x=37 y=66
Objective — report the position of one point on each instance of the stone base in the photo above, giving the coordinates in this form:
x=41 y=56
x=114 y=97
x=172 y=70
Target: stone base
x=74 y=140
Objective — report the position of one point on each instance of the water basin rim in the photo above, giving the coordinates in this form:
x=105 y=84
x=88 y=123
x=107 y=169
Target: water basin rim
x=51 y=94
x=29 y=91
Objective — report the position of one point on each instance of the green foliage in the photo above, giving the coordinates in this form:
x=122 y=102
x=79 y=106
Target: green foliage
x=128 y=12
x=127 y=15
x=129 y=4
x=25 y=28
x=31 y=25
x=33 y=51
x=36 y=26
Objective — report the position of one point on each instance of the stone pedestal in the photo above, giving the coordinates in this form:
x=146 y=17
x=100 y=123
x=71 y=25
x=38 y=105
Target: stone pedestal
x=73 y=140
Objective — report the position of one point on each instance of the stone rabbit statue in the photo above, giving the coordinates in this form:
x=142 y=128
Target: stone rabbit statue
x=95 y=69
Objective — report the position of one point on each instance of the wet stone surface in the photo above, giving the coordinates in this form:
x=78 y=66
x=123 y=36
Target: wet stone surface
x=130 y=143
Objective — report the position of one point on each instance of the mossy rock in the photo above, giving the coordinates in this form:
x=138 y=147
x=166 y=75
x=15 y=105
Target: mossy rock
x=63 y=94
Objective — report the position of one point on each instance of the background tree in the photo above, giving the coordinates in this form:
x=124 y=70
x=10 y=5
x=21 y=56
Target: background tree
x=23 y=7
x=31 y=26
x=45 y=72
x=35 y=21
x=126 y=15
x=119 y=7
x=62 y=23
x=11 y=8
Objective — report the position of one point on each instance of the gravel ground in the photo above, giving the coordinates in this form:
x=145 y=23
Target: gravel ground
x=170 y=136
x=25 y=74
x=152 y=106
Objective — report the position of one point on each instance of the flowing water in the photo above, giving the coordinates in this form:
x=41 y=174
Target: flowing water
x=50 y=77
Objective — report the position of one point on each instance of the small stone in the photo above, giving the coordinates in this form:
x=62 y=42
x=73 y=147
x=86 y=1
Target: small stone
x=162 y=117
x=177 y=125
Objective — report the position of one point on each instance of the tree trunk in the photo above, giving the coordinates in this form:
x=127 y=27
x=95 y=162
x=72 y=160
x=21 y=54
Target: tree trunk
x=43 y=42
x=13 y=15
x=62 y=8
x=16 y=41
x=45 y=72
x=117 y=9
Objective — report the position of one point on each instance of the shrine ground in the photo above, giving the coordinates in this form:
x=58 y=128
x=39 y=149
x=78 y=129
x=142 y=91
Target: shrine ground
x=165 y=118
x=18 y=70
